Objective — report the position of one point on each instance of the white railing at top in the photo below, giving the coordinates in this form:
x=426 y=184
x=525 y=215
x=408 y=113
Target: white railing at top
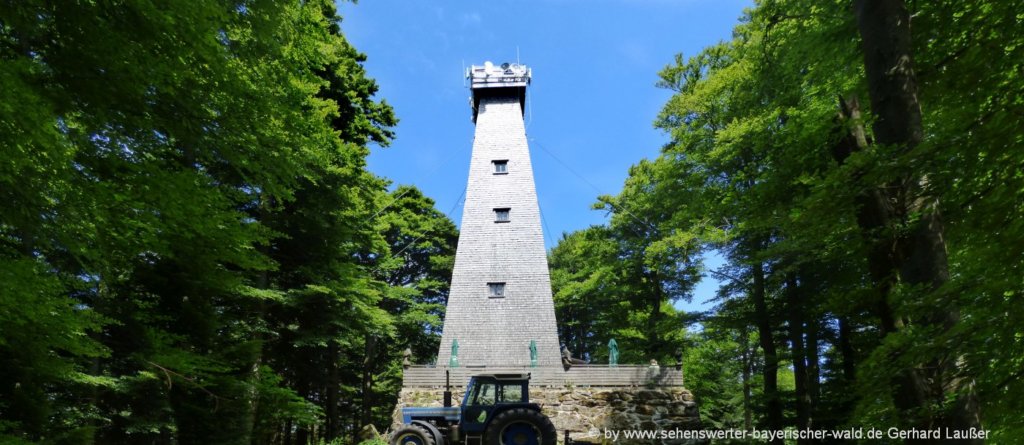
x=492 y=75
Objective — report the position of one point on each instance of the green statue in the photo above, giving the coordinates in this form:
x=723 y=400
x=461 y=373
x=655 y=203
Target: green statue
x=454 y=361
x=613 y=353
x=533 y=353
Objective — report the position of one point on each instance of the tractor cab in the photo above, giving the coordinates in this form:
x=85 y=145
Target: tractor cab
x=488 y=394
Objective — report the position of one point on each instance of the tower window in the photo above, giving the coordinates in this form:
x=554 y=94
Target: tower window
x=496 y=290
x=501 y=215
x=500 y=167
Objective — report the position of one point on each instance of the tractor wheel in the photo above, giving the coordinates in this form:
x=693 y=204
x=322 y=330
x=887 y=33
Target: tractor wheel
x=411 y=435
x=521 y=426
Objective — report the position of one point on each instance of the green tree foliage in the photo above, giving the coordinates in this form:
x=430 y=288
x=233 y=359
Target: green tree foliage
x=191 y=248
x=657 y=263
x=620 y=280
x=584 y=277
x=615 y=283
x=712 y=364
x=836 y=233
x=416 y=269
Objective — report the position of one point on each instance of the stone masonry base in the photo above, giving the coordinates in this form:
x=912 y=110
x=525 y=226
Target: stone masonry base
x=587 y=412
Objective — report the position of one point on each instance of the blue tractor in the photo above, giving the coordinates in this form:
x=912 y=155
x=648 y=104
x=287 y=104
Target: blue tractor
x=496 y=410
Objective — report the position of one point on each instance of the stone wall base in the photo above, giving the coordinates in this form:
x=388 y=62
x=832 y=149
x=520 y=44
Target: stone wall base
x=588 y=412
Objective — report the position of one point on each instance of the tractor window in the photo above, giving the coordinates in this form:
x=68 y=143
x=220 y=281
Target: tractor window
x=512 y=393
x=484 y=394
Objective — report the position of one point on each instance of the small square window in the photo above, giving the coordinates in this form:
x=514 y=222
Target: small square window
x=496 y=290
x=501 y=215
x=500 y=167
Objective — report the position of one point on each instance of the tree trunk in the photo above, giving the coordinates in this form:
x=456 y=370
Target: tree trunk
x=849 y=366
x=748 y=364
x=773 y=405
x=886 y=38
x=876 y=218
x=846 y=350
x=657 y=296
x=796 y=339
x=813 y=370
x=369 y=359
x=302 y=430
x=332 y=421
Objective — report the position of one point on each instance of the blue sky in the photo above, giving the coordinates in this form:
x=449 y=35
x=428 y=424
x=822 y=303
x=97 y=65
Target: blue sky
x=591 y=104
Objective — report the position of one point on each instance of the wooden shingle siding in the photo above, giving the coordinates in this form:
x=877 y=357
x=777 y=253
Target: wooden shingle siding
x=491 y=329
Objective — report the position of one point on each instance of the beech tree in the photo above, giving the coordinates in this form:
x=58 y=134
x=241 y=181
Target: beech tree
x=870 y=245
x=187 y=222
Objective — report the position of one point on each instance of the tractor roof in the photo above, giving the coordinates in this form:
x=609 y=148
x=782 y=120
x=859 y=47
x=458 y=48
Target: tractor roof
x=504 y=376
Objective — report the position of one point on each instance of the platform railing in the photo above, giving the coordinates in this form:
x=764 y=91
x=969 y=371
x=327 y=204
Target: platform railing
x=552 y=376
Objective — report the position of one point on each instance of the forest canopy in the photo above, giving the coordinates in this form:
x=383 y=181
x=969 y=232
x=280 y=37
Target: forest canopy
x=858 y=168
x=192 y=250
x=191 y=247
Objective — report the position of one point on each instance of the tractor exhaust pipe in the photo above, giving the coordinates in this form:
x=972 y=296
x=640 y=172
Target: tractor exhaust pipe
x=447 y=388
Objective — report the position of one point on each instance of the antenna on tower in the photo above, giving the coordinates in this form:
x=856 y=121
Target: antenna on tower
x=517 y=55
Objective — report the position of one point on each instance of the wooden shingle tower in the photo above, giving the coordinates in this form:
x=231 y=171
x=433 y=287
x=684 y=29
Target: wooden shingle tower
x=500 y=298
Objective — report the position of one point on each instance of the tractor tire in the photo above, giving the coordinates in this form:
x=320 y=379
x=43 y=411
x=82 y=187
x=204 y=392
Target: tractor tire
x=521 y=426
x=411 y=435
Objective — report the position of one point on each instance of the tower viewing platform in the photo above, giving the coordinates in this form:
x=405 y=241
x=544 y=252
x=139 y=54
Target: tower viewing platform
x=505 y=80
x=505 y=75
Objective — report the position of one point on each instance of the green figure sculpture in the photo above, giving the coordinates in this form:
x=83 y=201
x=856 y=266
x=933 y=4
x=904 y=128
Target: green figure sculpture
x=613 y=353
x=533 y=353
x=454 y=361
